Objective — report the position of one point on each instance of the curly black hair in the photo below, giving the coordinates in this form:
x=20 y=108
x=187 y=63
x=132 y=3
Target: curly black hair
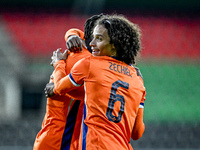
x=124 y=35
x=88 y=27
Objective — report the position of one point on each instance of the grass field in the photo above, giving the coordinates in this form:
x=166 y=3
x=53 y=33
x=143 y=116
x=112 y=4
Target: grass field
x=172 y=92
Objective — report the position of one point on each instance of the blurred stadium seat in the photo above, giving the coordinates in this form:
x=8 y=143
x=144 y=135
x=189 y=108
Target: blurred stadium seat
x=39 y=34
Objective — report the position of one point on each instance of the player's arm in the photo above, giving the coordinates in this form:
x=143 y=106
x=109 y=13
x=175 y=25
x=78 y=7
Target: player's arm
x=61 y=81
x=139 y=126
x=74 y=80
x=60 y=76
x=64 y=83
x=74 y=31
x=49 y=92
x=74 y=40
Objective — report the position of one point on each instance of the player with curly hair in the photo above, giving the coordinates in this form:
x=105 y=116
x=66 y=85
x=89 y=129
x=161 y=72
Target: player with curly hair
x=121 y=29
x=114 y=91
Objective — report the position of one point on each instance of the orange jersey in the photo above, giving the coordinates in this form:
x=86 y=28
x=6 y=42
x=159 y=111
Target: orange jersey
x=113 y=93
x=53 y=126
x=60 y=128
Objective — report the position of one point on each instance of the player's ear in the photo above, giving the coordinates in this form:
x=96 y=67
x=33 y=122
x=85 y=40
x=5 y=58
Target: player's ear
x=114 y=51
x=112 y=46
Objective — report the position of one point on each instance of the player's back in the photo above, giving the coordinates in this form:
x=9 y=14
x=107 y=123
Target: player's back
x=113 y=95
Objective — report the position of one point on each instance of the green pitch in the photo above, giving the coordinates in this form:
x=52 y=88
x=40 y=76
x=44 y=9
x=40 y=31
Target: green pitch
x=173 y=92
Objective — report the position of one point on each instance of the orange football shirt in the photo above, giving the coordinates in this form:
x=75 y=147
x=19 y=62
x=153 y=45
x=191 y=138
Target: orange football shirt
x=113 y=93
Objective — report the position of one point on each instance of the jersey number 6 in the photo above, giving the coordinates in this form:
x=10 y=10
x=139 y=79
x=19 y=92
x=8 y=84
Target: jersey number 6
x=114 y=97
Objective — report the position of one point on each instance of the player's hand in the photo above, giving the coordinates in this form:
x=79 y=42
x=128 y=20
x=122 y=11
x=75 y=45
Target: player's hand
x=58 y=55
x=75 y=43
x=48 y=90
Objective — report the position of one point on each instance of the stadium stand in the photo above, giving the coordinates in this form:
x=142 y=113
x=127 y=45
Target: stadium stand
x=166 y=37
x=39 y=34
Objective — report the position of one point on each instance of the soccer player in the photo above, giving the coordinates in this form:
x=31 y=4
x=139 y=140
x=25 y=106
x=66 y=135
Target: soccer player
x=60 y=128
x=114 y=91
